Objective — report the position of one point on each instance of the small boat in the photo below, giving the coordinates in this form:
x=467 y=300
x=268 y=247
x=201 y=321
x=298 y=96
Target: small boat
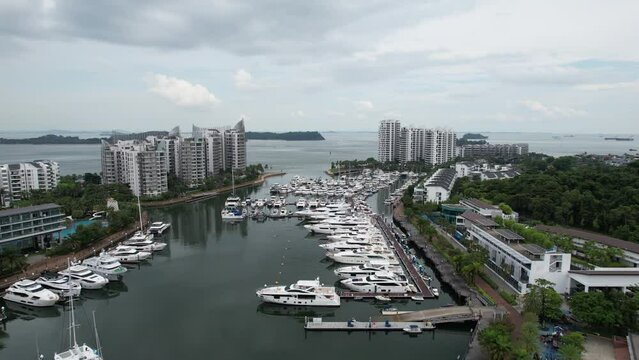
x=417 y=298
x=412 y=329
x=429 y=326
x=382 y=298
x=435 y=292
x=387 y=311
x=358 y=298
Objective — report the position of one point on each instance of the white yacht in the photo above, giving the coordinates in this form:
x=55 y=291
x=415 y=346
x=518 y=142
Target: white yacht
x=303 y=292
x=347 y=245
x=232 y=214
x=144 y=242
x=355 y=257
x=232 y=201
x=313 y=204
x=158 y=227
x=129 y=254
x=369 y=268
x=259 y=203
x=378 y=283
x=28 y=292
x=61 y=285
x=79 y=352
x=301 y=203
x=105 y=265
x=87 y=278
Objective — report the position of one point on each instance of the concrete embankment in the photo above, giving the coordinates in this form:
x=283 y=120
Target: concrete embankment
x=209 y=194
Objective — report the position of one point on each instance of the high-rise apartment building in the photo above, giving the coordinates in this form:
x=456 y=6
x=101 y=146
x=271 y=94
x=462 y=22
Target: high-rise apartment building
x=389 y=137
x=411 y=144
x=17 y=179
x=192 y=161
x=137 y=163
x=235 y=147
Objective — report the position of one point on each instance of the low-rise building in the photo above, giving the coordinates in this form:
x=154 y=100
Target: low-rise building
x=485 y=171
x=602 y=278
x=506 y=151
x=437 y=188
x=518 y=263
x=30 y=227
x=487 y=210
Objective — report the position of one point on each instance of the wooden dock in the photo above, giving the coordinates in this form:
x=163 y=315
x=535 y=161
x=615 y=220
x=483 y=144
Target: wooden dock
x=424 y=290
x=370 y=295
x=317 y=324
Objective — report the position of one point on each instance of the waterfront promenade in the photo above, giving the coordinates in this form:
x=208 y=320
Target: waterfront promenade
x=60 y=262
x=202 y=195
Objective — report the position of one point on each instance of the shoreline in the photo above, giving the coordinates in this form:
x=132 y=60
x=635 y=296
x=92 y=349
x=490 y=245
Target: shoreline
x=203 y=195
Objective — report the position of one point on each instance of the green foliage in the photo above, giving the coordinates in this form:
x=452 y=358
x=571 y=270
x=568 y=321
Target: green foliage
x=11 y=261
x=570 y=191
x=572 y=346
x=507 y=210
x=495 y=340
x=529 y=334
x=612 y=309
x=510 y=298
x=371 y=163
x=470 y=263
x=543 y=301
x=602 y=256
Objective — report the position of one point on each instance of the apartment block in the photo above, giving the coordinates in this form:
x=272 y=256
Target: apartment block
x=388 y=145
x=506 y=151
x=411 y=144
x=20 y=178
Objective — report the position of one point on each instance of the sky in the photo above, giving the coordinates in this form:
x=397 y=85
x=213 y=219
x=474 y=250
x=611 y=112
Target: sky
x=567 y=66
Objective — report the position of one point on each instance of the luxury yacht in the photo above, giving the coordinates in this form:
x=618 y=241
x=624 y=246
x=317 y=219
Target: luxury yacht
x=378 y=283
x=355 y=245
x=129 y=254
x=105 y=265
x=303 y=292
x=61 y=285
x=158 y=227
x=232 y=201
x=87 y=278
x=301 y=203
x=28 y=292
x=144 y=242
x=360 y=257
x=369 y=268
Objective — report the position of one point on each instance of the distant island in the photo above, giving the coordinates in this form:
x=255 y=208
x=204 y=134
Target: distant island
x=288 y=136
x=74 y=140
x=472 y=138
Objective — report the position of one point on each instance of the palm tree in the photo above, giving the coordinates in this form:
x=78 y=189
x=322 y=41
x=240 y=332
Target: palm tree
x=12 y=261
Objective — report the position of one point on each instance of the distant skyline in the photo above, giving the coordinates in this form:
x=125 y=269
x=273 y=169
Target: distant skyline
x=489 y=65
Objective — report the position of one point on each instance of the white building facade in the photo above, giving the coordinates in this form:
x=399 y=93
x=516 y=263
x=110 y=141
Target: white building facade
x=20 y=178
x=388 y=137
x=412 y=144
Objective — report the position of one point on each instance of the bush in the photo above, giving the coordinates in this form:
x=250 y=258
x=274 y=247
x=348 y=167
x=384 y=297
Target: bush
x=510 y=298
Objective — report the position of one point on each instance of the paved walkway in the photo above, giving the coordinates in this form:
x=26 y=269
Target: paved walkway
x=57 y=263
x=598 y=348
x=513 y=315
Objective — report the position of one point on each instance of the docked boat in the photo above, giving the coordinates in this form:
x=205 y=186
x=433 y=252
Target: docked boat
x=63 y=286
x=365 y=269
x=75 y=351
x=301 y=203
x=389 y=311
x=435 y=292
x=232 y=214
x=417 y=298
x=87 y=278
x=383 y=298
x=378 y=283
x=105 y=265
x=303 y=292
x=412 y=329
x=129 y=254
x=29 y=292
x=232 y=201
x=158 y=227
x=360 y=257
x=144 y=242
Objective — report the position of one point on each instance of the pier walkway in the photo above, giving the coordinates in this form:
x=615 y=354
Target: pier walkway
x=318 y=325
x=424 y=290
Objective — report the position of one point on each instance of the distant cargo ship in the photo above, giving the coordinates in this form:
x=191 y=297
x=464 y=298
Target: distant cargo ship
x=620 y=138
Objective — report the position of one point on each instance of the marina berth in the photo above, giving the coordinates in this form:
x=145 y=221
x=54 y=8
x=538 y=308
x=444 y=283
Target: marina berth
x=105 y=265
x=87 y=278
x=61 y=285
x=158 y=227
x=301 y=293
x=29 y=292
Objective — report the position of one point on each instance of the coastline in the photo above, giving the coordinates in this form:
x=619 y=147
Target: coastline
x=202 y=195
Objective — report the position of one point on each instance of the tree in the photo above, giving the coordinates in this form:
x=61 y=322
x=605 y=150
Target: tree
x=606 y=309
x=543 y=301
x=495 y=340
x=530 y=334
x=12 y=261
x=572 y=346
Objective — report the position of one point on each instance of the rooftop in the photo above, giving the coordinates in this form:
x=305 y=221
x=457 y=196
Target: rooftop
x=442 y=177
x=477 y=203
x=509 y=235
x=478 y=219
x=591 y=236
x=28 y=209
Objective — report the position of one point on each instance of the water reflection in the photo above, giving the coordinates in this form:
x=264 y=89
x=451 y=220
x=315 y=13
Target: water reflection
x=295 y=311
x=112 y=290
x=25 y=312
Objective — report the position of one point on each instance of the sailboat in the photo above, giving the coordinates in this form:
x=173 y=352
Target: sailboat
x=142 y=241
x=79 y=352
x=232 y=210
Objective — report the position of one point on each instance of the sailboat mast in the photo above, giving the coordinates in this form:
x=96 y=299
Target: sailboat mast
x=232 y=180
x=140 y=213
x=97 y=338
x=73 y=340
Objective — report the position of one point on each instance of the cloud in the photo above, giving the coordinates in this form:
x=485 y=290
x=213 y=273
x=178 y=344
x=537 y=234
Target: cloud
x=633 y=85
x=364 y=105
x=551 y=111
x=181 y=92
x=244 y=80
x=298 y=114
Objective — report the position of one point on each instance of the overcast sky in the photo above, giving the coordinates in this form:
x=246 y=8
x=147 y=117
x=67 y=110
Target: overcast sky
x=542 y=65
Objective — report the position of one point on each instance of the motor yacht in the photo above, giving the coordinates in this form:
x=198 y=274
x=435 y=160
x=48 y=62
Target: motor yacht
x=63 y=286
x=158 y=227
x=129 y=254
x=378 y=283
x=87 y=278
x=303 y=292
x=232 y=201
x=301 y=203
x=144 y=242
x=368 y=268
x=232 y=214
x=105 y=265
x=28 y=292
x=355 y=257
